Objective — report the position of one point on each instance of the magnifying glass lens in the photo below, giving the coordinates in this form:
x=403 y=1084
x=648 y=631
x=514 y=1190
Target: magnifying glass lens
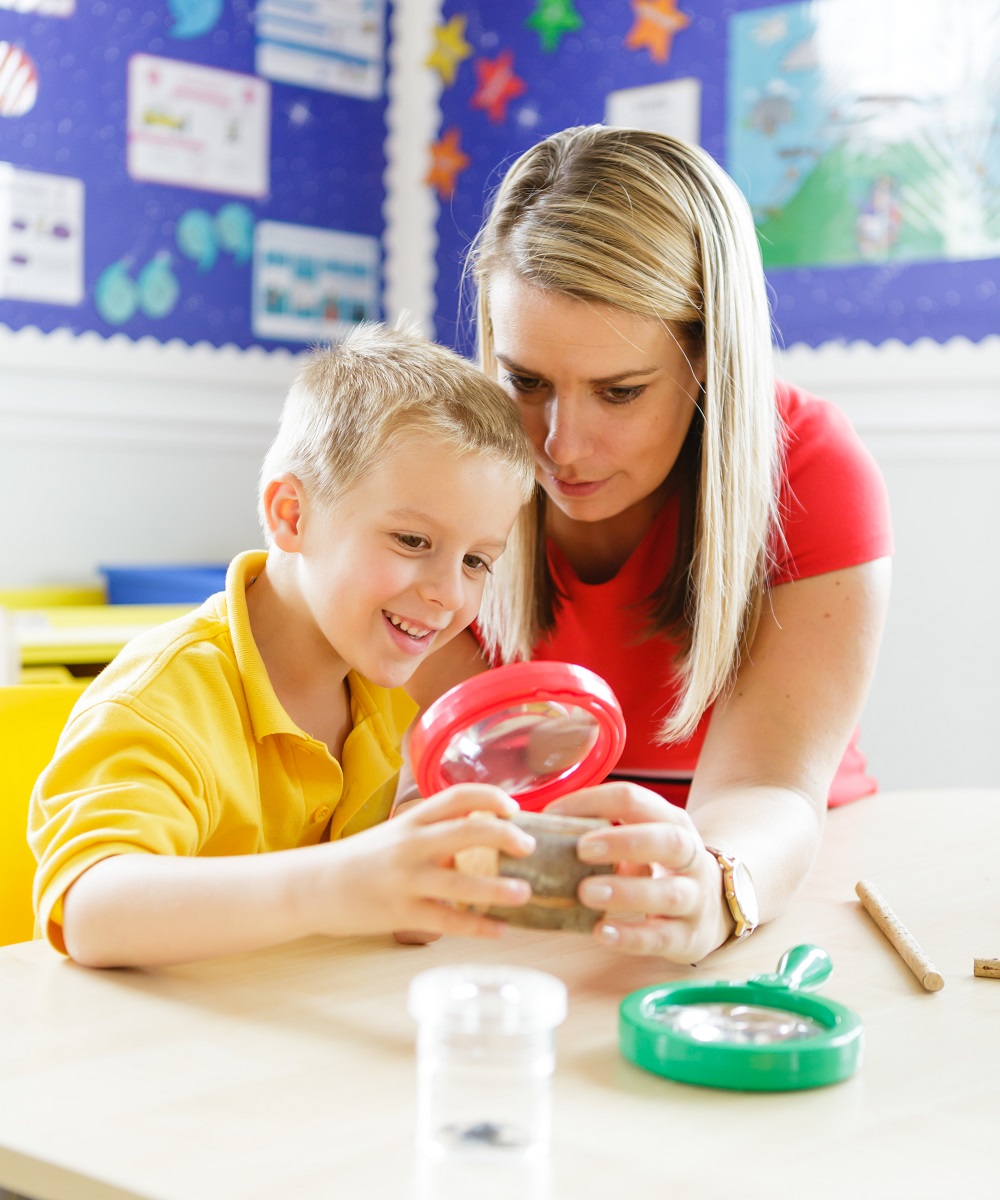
x=736 y=1024
x=520 y=747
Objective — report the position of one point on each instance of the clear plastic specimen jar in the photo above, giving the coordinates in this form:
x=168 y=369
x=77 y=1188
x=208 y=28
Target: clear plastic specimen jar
x=485 y=1056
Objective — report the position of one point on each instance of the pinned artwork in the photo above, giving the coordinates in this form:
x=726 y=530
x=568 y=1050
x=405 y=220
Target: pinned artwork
x=116 y=296
x=41 y=236
x=194 y=18
x=331 y=45
x=198 y=127
x=450 y=49
x=673 y=107
x=44 y=8
x=498 y=84
x=448 y=160
x=18 y=81
x=154 y=291
x=852 y=155
x=656 y=24
x=552 y=20
x=312 y=284
x=200 y=235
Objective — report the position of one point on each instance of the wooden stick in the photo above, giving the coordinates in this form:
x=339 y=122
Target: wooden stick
x=900 y=937
x=986 y=968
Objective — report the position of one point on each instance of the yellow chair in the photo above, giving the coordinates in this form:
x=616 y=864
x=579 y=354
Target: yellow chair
x=31 y=719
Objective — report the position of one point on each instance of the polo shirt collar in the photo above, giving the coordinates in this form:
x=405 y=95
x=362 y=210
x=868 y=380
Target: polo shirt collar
x=370 y=704
x=267 y=716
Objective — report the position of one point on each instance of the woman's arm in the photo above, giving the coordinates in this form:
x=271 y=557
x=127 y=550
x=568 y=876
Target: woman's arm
x=760 y=789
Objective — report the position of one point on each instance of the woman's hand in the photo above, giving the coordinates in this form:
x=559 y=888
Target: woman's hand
x=664 y=875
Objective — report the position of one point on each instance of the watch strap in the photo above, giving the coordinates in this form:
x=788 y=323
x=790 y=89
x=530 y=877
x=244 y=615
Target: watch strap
x=746 y=921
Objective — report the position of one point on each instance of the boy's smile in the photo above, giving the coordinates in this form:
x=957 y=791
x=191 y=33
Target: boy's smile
x=396 y=568
x=414 y=639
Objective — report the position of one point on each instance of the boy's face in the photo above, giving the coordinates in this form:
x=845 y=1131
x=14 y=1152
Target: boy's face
x=396 y=568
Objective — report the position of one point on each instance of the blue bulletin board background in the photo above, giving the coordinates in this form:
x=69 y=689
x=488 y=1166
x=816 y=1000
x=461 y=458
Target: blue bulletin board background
x=548 y=64
x=324 y=167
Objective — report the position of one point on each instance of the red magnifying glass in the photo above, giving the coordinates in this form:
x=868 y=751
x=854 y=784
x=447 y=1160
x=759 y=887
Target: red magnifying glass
x=537 y=730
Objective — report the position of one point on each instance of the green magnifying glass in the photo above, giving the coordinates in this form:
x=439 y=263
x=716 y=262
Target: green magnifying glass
x=766 y=1035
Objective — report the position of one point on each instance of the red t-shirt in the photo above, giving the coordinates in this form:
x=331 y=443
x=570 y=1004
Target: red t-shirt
x=835 y=515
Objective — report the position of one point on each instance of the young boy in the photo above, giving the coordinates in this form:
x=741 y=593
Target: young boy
x=270 y=719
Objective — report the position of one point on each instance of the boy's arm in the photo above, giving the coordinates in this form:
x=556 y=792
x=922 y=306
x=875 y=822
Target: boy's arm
x=150 y=910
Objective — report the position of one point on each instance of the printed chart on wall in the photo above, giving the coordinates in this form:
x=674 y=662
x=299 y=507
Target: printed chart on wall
x=192 y=169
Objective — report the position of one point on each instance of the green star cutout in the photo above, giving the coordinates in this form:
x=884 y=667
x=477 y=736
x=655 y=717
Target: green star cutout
x=551 y=19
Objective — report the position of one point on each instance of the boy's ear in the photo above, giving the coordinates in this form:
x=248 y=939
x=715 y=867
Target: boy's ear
x=284 y=504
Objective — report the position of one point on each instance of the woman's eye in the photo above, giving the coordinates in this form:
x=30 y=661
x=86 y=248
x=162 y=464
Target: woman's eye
x=624 y=395
x=412 y=541
x=522 y=383
x=476 y=563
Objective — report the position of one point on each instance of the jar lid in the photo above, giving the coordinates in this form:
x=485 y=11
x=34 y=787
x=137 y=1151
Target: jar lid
x=488 y=998
x=536 y=729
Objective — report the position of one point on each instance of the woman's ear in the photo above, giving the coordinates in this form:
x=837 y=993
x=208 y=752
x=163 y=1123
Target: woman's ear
x=283 y=506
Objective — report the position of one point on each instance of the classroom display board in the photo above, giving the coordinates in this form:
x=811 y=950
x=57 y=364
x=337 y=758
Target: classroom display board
x=864 y=135
x=192 y=169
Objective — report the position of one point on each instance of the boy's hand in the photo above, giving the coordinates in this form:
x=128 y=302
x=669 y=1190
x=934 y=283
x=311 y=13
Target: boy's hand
x=400 y=875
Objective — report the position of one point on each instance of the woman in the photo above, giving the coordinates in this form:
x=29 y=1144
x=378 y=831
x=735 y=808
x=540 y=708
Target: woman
x=713 y=544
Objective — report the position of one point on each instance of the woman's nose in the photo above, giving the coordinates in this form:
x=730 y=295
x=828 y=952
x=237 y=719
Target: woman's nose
x=565 y=435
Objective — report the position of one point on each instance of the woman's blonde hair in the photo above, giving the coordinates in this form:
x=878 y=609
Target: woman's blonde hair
x=653 y=226
x=349 y=402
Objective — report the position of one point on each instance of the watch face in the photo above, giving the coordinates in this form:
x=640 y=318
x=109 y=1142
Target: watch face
x=746 y=895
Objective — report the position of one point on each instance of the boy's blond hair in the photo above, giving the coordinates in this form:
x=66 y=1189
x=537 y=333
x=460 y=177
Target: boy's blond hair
x=351 y=401
x=653 y=226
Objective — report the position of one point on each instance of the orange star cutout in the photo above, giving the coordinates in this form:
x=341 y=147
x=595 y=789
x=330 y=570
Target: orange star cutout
x=447 y=160
x=450 y=49
x=656 y=23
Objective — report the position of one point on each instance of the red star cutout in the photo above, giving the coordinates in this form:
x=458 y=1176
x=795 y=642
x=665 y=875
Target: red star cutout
x=656 y=23
x=447 y=159
x=497 y=85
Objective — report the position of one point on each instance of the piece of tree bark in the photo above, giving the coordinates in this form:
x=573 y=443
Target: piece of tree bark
x=554 y=872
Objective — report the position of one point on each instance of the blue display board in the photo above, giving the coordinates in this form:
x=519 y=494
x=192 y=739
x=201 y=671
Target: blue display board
x=866 y=141
x=192 y=169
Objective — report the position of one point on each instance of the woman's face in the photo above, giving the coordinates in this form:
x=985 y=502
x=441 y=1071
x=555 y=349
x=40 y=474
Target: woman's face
x=606 y=397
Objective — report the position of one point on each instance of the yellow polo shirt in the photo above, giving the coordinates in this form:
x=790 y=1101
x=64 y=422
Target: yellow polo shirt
x=180 y=746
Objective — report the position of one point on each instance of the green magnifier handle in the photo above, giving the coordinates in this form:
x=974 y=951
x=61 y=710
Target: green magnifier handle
x=800 y=970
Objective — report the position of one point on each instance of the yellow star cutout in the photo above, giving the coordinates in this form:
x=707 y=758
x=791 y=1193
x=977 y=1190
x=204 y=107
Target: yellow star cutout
x=450 y=49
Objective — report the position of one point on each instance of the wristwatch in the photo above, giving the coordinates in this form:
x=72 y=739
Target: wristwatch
x=741 y=894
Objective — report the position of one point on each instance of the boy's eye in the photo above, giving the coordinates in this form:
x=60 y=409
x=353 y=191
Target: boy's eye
x=412 y=541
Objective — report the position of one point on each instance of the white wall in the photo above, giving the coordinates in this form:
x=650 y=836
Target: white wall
x=931 y=416
x=123 y=452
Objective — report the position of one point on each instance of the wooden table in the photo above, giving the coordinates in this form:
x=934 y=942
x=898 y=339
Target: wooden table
x=290 y=1074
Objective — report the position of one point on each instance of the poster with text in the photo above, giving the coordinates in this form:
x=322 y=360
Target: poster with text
x=198 y=127
x=312 y=285
x=41 y=236
x=330 y=45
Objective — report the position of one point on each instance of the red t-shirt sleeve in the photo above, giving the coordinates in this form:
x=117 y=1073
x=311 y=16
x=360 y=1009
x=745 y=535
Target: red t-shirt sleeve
x=834 y=503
